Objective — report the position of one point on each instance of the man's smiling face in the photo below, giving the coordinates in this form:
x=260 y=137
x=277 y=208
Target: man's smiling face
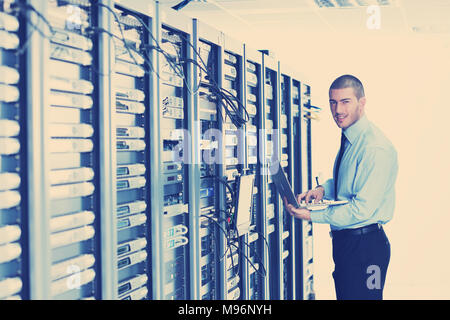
x=345 y=107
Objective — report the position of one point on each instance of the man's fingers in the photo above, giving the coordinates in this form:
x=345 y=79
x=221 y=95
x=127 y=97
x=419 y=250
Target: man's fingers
x=290 y=208
x=309 y=195
x=301 y=196
x=298 y=212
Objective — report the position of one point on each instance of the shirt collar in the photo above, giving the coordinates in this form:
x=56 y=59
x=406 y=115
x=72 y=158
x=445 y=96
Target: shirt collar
x=356 y=129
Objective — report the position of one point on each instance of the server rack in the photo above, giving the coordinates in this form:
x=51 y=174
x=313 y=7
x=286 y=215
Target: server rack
x=287 y=162
x=234 y=160
x=13 y=164
x=63 y=215
x=106 y=150
x=176 y=104
x=131 y=90
x=220 y=78
x=272 y=159
x=305 y=227
x=257 y=249
x=207 y=71
x=296 y=180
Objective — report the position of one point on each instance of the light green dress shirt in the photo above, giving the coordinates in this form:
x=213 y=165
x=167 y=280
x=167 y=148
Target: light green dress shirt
x=366 y=179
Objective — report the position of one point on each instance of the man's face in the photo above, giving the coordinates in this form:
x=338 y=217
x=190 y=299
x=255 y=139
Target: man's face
x=345 y=107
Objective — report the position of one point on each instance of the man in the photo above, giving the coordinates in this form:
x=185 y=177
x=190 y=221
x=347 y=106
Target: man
x=364 y=174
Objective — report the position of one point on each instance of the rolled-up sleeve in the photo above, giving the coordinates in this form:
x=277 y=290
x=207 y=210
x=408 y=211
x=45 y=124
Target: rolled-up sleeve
x=373 y=175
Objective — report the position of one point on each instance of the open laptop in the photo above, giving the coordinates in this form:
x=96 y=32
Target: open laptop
x=285 y=191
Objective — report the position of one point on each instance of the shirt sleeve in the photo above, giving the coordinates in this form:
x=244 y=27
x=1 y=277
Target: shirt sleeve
x=370 y=182
x=329 y=189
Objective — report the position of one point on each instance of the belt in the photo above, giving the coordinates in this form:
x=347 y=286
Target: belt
x=357 y=231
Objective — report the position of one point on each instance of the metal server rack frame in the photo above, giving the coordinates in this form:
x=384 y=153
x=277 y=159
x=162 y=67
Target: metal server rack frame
x=297 y=125
x=254 y=58
x=42 y=203
x=205 y=35
x=286 y=97
x=233 y=49
x=13 y=159
x=38 y=176
x=150 y=15
x=135 y=268
x=107 y=172
x=214 y=37
x=270 y=72
x=176 y=27
x=305 y=227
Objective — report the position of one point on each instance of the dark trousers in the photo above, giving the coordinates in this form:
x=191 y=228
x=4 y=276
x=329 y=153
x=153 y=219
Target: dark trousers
x=361 y=263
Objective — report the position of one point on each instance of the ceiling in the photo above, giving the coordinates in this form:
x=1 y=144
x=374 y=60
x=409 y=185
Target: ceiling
x=296 y=31
x=425 y=16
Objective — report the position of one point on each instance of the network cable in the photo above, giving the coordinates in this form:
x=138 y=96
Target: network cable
x=222 y=94
x=21 y=8
x=229 y=239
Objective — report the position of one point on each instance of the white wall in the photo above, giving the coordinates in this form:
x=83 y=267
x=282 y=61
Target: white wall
x=406 y=80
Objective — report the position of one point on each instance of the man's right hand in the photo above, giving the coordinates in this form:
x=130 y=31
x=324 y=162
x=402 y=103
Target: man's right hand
x=315 y=194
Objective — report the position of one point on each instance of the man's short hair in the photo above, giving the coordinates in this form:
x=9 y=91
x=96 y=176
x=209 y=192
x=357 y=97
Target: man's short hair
x=349 y=81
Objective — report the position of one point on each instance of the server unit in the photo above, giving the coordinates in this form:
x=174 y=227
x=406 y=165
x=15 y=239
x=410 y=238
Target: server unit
x=256 y=239
x=13 y=249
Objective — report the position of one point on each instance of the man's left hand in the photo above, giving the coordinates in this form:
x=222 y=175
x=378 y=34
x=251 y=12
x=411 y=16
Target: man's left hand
x=299 y=213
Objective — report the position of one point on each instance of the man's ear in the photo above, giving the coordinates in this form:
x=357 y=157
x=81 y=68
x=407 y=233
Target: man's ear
x=362 y=104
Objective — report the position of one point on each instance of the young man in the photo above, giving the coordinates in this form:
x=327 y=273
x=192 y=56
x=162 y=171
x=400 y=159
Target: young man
x=365 y=171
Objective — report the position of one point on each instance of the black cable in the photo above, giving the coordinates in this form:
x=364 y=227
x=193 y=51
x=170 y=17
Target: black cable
x=230 y=242
x=249 y=261
x=21 y=50
x=16 y=6
x=220 y=92
x=158 y=48
x=22 y=8
x=265 y=240
x=175 y=67
x=181 y=5
x=181 y=60
x=256 y=256
x=145 y=48
x=120 y=29
x=156 y=43
x=223 y=230
x=223 y=94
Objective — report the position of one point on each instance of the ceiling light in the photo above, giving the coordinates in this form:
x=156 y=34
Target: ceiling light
x=353 y=3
